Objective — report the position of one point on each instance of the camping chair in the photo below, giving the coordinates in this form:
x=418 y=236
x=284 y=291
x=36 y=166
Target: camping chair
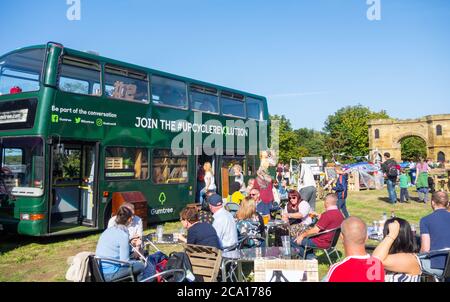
x=446 y=273
x=331 y=248
x=205 y=261
x=97 y=274
x=174 y=275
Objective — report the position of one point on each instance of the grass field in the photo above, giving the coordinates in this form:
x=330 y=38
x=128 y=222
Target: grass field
x=45 y=259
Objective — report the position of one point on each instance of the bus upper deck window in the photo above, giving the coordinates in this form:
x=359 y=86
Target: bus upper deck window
x=79 y=76
x=21 y=71
x=204 y=99
x=168 y=92
x=254 y=108
x=126 y=84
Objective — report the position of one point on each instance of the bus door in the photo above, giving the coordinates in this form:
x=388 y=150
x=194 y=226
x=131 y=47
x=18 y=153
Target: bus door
x=200 y=161
x=73 y=182
x=88 y=185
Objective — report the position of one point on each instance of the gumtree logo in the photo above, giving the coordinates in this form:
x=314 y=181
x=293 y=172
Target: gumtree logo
x=99 y=122
x=162 y=198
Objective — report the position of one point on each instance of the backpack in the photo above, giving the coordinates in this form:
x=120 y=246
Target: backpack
x=392 y=171
x=180 y=260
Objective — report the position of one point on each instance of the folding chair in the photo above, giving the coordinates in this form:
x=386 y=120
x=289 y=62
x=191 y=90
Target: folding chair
x=97 y=274
x=331 y=249
x=174 y=275
x=446 y=273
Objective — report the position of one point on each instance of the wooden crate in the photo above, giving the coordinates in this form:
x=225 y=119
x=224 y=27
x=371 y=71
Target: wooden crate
x=114 y=163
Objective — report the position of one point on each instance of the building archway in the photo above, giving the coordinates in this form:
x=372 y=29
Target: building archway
x=386 y=135
x=413 y=148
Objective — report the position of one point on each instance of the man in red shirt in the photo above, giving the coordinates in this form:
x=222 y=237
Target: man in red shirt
x=331 y=219
x=358 y=266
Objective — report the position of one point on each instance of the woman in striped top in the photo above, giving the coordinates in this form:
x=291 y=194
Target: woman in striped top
x=397 y=252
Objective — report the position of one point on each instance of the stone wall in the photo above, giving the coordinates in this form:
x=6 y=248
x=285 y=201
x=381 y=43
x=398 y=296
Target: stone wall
x=392 y=131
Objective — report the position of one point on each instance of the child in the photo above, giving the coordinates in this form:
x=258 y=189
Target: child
x=422 y=186
x=404 y=180
x=341 y=189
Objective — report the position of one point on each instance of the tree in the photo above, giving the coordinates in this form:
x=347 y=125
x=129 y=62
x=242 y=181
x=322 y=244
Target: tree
x=413 y=148
x=347 y=131
x=288 y=140
x=313 y=141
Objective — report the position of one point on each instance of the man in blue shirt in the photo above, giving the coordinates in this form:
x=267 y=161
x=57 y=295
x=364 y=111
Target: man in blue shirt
x=434 y=230
x=223 y=222
x=341 y=189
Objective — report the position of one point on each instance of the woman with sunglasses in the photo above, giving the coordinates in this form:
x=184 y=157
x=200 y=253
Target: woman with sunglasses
x=297 y=210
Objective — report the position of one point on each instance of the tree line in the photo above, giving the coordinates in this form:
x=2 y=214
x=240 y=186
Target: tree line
x=344 y=136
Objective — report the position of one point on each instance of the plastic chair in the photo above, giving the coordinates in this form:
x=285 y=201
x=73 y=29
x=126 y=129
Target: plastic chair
x=331 y=249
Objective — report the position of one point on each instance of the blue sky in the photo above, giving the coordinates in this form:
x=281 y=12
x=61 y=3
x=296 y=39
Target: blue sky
x=309 y=57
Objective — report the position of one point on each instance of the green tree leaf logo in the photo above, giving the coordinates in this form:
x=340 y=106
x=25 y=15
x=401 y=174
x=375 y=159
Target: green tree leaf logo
x=162 y=198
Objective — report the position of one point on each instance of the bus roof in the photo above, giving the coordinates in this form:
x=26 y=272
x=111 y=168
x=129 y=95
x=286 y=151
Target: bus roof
x=89 y=55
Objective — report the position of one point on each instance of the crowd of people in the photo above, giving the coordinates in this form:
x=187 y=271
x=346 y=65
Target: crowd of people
x=396 y=258
x=421 y=179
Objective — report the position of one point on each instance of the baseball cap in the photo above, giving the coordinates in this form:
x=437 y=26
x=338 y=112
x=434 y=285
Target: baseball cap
x=215 y=200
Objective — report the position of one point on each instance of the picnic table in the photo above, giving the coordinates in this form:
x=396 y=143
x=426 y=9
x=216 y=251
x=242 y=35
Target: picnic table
x=373 y=235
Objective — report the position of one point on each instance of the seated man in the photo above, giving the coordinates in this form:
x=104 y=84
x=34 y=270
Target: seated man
x=358 y=266
x=223 y=222
x=261 y=207
x=331 y=219
x=435 y=235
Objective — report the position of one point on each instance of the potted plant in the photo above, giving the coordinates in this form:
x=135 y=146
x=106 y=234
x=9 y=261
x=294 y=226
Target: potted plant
x=127 y=163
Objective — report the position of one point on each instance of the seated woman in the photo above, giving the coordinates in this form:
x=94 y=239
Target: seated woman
x=296 y=213
x=114 y=243
x=198 y=233
x=249 y=222
x=397 y=252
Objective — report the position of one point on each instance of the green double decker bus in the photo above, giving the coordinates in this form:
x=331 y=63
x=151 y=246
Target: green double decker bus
x=76 y=128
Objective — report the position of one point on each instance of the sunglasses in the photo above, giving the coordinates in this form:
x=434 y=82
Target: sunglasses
x=292 y=197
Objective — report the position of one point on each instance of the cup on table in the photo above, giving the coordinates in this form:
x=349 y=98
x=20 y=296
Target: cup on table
x=286 y=241
x=159 y=232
